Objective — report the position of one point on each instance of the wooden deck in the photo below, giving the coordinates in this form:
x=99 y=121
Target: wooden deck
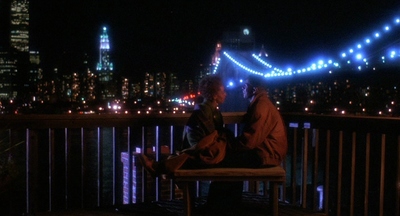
x=253 y=205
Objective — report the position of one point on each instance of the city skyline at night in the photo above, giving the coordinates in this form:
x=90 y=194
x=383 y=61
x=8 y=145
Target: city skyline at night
x=70 y=75
x=179 y=36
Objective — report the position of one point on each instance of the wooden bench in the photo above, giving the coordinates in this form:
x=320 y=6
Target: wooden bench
x=275 y=175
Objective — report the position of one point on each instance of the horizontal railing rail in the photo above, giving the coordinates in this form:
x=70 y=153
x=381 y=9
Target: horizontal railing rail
x=340 y=165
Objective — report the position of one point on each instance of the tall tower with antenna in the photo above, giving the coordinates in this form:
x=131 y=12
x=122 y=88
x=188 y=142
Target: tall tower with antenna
x=106 y=85
x=104 y=63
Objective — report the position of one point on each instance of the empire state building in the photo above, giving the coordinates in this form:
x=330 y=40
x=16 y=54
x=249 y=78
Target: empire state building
x=106 y=86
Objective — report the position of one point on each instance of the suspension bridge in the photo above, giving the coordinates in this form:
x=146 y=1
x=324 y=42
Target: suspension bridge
x=378 y=49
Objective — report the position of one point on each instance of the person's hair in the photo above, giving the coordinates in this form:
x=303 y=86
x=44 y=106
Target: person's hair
x=209 y=86
x=199 y=99
x=256 y=81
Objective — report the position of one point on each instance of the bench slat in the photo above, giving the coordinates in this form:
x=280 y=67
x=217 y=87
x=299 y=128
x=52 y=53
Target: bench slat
x=232 y=172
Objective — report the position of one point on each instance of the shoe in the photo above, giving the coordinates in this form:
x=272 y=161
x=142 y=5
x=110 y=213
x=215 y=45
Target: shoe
x=148 y=165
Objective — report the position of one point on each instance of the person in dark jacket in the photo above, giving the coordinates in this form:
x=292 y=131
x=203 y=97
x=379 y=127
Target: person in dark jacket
x=206 y=116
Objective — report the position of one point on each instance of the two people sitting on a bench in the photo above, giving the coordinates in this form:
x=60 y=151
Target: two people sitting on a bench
x=262 y=142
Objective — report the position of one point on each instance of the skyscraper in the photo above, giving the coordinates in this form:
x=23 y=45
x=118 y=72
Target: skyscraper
x=88 y=81
x=104 y=63
x=14 y=63
x=19 y=35
x=107 y=88
x=35 y=74
x=27 y=63
x=8 y=73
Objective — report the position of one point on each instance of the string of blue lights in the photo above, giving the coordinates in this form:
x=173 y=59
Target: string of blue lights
x=355 y=54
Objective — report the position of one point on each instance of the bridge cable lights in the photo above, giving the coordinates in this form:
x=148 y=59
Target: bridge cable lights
x=351 y=52
x=242 y=66
x=216 y=66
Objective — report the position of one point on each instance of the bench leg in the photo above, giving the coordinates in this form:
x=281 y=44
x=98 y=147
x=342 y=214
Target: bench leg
x=186 y=199
x=273 y=198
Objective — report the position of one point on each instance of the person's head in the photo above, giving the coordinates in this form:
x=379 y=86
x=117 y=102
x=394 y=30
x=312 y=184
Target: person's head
x=253 y=84
x=212 y=89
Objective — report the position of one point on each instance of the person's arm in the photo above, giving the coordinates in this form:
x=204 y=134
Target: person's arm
x=199 y=125
x=255 y=128
x=194 y=134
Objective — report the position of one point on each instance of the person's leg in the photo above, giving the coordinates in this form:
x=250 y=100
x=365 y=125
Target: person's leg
x=149 y=165
x=228 y=194
x=164 y=166
x=224 y=194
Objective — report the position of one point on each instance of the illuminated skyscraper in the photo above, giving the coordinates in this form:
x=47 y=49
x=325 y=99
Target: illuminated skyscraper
x=8 y=74
x=107 y=86
x=148 y=90
x=125 y=88
x=161 y=85
x=35 y=75
x=104 y=63
x=19 y=35
x=173 y=84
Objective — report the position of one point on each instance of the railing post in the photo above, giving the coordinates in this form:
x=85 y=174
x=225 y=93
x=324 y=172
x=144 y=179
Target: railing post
x=27 y=169
x=144 y=174
x=114 y=165
x=304 y=169
x=99 y=141
x=353 y=171
x=82 y=165
x=367 y=162
x=171 y=151
x=294 y=166
x=158 y=155
x=327 y=171
x=382 y=175
x=339 y=182
x=66 y=166
x=51 y=165
x=130 y=171
x=315 y=173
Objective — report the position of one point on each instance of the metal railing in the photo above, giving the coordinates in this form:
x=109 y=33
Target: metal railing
x=352 y=162
x=340 y=165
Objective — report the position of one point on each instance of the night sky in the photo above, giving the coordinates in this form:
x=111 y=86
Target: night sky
x=176 y=36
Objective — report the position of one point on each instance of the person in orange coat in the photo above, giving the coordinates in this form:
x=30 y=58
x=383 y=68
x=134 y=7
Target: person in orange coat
x=264 y=129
